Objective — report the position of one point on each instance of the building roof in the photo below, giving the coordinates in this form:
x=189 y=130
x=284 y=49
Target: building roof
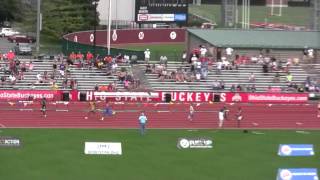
x=259 y=38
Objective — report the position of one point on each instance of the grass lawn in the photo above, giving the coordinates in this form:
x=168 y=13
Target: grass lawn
x=54 y=154
x=172 y=51
x=291 y=15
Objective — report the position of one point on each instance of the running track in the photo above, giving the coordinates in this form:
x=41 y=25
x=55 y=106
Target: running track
x=256 y=116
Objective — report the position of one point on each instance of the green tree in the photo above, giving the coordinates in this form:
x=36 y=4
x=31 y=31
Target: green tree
x=65 y=16
x=10 y=10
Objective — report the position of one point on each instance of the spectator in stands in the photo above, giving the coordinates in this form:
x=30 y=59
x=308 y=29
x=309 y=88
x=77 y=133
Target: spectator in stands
x=184 y=57
x=289 y=77
x=62 y=69
x=119 y=58
x=114 y=67
x=148 y=68
x=251 y=88
x=276 y=78
x=12 y=79
x=39 y=78
x=73 y=84
x=23 y=67
x=265 y=68
x=252 y=78
x=198 y=76
x=30 y=65
x=45 y=76
x=203 y=51
x=72 y=58
x=219 y=67
x=3 y=80
x=239 y=88
x=229 y=52
x=310 y=53
x=11 y=55
x=79 y=56
x=54 y=86
x=233 y=88
x=216 y=85
x=126 y=59
x=218 y=54
x=194 y=58
x=96 y=87
x=147 y=55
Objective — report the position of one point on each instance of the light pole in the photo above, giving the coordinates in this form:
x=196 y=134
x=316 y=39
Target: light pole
x=38 y=26
x=109 y=26
x=94 y=3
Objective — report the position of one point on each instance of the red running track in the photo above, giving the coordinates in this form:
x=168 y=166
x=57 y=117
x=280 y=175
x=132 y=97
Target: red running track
x=276 y=116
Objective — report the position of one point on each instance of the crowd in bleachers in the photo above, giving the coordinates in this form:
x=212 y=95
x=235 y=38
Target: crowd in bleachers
x=196 y=67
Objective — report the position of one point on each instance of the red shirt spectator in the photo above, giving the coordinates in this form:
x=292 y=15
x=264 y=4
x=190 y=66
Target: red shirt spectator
x=72 y=56
x=79 y=55
x=10 y=55
x=196 y=51
x=89 y=56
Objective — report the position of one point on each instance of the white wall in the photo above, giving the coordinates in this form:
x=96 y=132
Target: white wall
x=121 y=10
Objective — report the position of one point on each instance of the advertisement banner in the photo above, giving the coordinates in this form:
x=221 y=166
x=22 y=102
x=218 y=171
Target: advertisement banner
x=106 y=148
x=161 y=11
x=297 y=174
x=295 y=150
x=10 y=95
x=267 y=97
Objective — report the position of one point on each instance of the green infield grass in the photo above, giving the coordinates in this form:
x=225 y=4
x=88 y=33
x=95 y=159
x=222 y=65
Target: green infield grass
x=58 y=154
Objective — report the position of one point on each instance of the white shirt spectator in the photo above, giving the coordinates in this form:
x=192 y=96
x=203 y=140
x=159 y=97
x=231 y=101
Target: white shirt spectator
x=126 y=58
x=219 y=65
x=194 y=58
x=198 y=65
x=12 y=78
x=198 y=76
x=310 y=53
x=203 y=51
x=147 y=54
x=114 y=66
x=225 y=63
x=39 y=77
x=229 y=51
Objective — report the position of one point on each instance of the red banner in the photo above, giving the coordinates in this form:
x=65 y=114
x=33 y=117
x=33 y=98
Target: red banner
x=27 y=94
x=198 y=97
x=266 y=97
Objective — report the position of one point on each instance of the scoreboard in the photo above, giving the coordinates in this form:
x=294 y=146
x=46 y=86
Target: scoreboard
x=165 y=11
